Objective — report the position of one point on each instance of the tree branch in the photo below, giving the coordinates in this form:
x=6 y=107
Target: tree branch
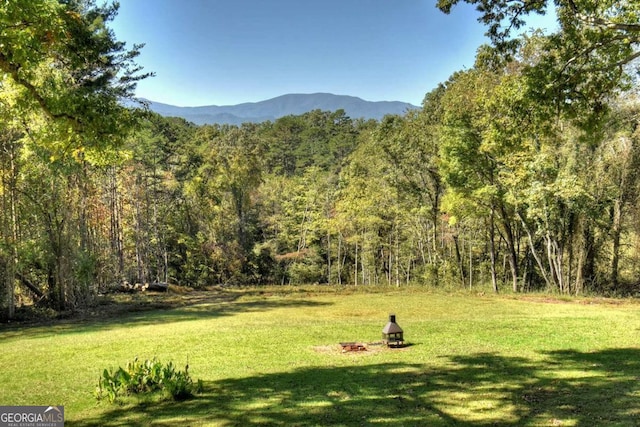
x=14 y=71
x=605 y=24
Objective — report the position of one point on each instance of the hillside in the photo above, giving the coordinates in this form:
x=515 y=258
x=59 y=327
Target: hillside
x=291 y=104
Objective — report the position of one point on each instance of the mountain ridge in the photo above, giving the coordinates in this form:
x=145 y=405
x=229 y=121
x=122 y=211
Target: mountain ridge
x=280 y=106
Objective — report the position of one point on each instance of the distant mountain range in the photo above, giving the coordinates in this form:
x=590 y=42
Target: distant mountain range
x=272 y=109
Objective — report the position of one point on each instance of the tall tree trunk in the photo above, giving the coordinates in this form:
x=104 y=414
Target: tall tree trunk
x=616 y=232
x=397 y=249
x=115 y=230
x=534 y=253
x=10 y=221
x=511 y=247
x=328 y=256
x=492 y=250
x=57 y=271
x=459 y=260
x=364 y=277
x=141 y=235
x=339 y=259
x=589 y=260
x=355 y=266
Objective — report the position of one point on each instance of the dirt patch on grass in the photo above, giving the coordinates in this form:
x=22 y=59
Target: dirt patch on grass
x=337 y=350
x=371 y=348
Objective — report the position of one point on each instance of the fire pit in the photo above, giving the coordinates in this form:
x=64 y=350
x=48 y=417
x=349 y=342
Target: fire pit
x=353 y=346
x=392 y=334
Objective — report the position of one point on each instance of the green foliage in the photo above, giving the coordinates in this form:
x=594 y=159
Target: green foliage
x=521 y=169
x=321 y=139
x=64 y=76
x=581 y=65
x=68 y=69
x=146 y=377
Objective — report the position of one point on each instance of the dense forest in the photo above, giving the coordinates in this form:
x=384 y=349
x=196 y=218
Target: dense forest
x=519 y=173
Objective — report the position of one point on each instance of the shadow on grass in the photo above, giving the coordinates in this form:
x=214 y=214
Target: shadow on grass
x=565 y=388
x=153 y=308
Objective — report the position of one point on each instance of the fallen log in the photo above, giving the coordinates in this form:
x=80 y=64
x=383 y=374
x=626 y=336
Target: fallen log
x=27 y=283
x=158 y=287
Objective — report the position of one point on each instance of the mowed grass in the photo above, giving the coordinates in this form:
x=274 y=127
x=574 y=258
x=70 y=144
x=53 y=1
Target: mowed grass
x=271 y=356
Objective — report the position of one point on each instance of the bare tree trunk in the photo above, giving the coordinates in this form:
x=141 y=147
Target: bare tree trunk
x=555 y=258
x=115 y=229
x=511 y=247
x=579 y=279
x=616 y=232
x=338 y=258
x=364 y=277
x=328 y=256
x=140 y=238
x=55 y=221
x=397 y=247
x=10 y=217
x=492 y=251
x=459 y=260
x=12 y=264
x=355 y=265
x=534 y=252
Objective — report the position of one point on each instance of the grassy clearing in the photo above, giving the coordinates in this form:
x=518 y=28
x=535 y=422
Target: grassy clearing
x=270 y=356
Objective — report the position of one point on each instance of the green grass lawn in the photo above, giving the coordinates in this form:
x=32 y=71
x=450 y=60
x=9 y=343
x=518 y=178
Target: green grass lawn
x=270 y=356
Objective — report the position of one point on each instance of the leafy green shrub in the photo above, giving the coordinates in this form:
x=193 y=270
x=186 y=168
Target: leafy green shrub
x=146 y=377
x=179 y=384
x=307 y=271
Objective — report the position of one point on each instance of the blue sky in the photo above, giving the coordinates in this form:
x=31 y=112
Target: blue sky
x=223 y=52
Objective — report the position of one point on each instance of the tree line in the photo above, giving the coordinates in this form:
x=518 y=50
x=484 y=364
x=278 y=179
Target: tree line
x=518 y=173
